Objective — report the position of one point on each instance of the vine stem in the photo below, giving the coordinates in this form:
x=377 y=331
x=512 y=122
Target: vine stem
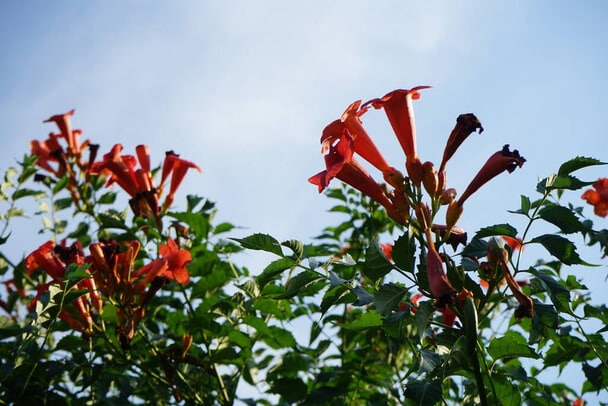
x=216 y=372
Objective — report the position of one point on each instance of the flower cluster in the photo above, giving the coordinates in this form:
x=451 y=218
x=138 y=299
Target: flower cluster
x=598 y=197
x=401 y=194
x=116 y=273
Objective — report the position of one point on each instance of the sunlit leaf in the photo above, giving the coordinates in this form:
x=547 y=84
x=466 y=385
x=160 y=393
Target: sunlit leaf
x=261 y=242
x=577 y=163
x=560 y=247
x=497 y=229
x=511 y=344
x=368 y=319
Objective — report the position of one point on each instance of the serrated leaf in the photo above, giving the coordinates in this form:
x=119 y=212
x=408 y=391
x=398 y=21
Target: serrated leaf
x=568 y=182
x=510 y=345
x=497 y=229
x=577 y=163
x=561 y=217
x=388 y=297
x=423 y=315
x=429 y=360
x=376 y=263
x=404 y=252
x=299 y=282
x=423 y=392
x=261 y=242
x=274 y=269
x=560 y=247
x=337 y=295
x=559 y=294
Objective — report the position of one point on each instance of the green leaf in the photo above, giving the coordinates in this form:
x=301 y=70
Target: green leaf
x=363 y=297
x=60 y=185
x=423 y=392
x=561 y=217
x=19 y=193
x=577 y=163
x=107 y=198
x=296 y=246
x=565 y=182
x=337 y=295
x=388 y=297
x=560 y=295
x=423 y=315
x=560 y=248
x=291 y=390
x=280 y=338
x=597 y=376
x=369 y=319
x=261 y=242
x=544 y=322
x=404 y=252
x=497 y=229
x=299 y=282
x=376 y=263
x=511 y=345
x=564 y=351
x=429 y=360
x=507 y=394
x=274 y=269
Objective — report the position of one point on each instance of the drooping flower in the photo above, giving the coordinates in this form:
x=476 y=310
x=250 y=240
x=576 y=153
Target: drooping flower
x=456 y=234
x=466 y=124
x=54 y=260
x=598 y=197
x=440 y=287
x=503 y=160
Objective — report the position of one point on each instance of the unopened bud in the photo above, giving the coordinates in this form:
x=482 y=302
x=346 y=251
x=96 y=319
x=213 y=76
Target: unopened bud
x=453 y=214
x=429 y=178
x=448 y=196
x=414 y=170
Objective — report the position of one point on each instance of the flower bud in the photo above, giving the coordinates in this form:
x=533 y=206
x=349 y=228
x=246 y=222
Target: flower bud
x=429 y=178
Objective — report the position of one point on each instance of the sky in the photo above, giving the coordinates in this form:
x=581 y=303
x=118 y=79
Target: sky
x=244 y=89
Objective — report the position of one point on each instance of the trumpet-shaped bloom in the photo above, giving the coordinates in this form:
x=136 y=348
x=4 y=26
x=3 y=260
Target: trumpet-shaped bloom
x=362 y=143
x=171 y=265
x=466 y=124
x=177 y=167
x=503 y=160
x=65 y=128
x=598 y=197
x=399 y=109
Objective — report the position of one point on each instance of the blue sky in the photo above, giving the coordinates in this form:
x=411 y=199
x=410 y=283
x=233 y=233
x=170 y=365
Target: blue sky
x=244 y=89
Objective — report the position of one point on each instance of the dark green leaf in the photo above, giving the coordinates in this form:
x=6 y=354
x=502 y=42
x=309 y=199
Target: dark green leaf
x=291 y=390
x=560 y=248
x=423 y=315
x=429 y=360
x=577 y=163
x=19 y=193
x=274 y=269
x=564 y=351
x=423 y=392
x=376 y=264
x=261 y=242
x=498 y=229
x=296 y=246
x=61 y=204
x=597 y=376
x=560 y=295
x=107 y=198
x=299 y=282
x=388 y=297
x=404 y=252
x=561 y=217
x=510 y=345
x=565 y=182
x=337 y=295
